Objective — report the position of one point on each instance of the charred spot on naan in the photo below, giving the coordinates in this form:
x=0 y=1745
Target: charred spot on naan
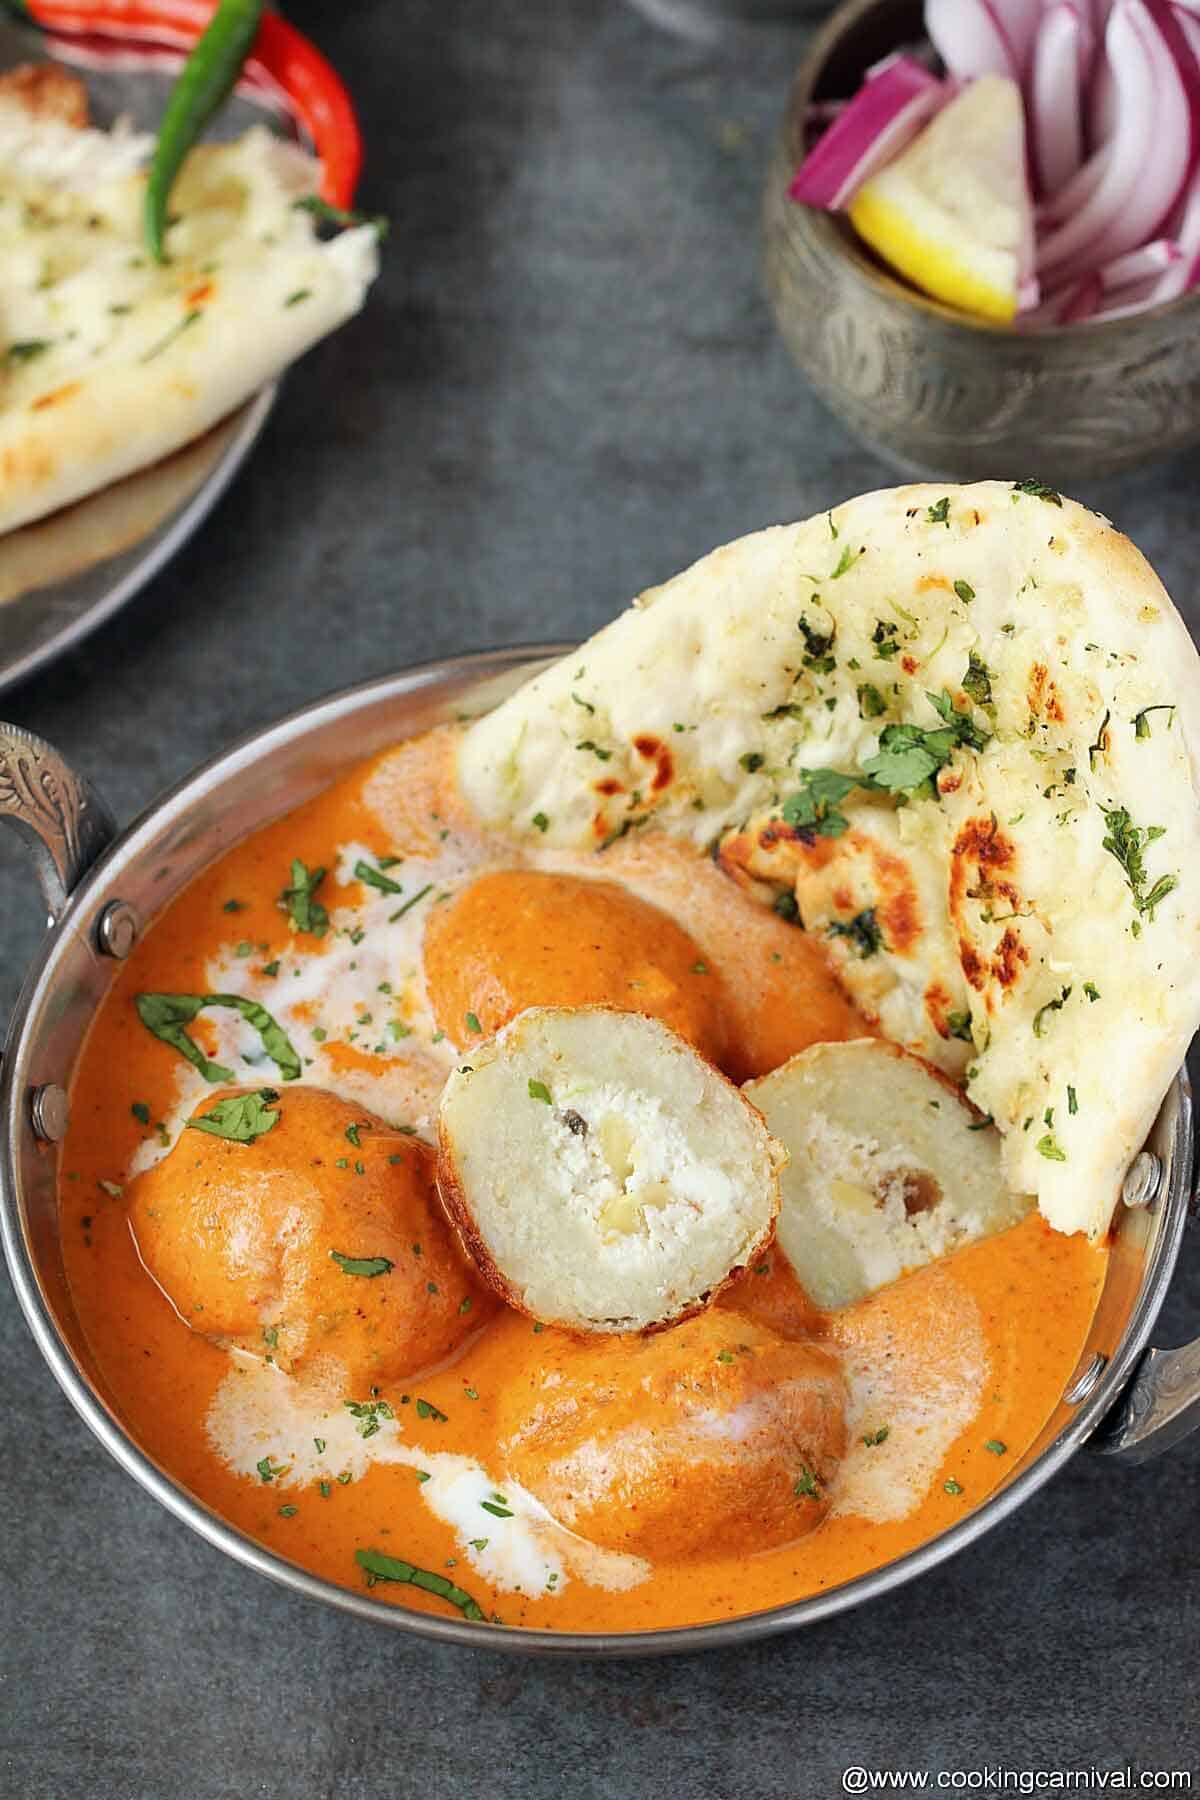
x=833 y=879
x=860 y=900
x=983 y=863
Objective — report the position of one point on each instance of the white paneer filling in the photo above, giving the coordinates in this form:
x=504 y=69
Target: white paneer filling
x=613 y=1177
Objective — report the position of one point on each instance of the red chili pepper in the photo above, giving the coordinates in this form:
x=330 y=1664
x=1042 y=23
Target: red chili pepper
x=294 y=64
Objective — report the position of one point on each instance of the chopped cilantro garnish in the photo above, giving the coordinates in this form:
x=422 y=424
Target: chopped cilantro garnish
x=473 y=1023
x=939 y=512
x=240 y=1118
x=373 y=877
x=368 y=1414
x=1050 y=1006
x=752 y=761
x=1038 y=490
x=807 y=1487
x=1127 y=842
x=862 y=930
x=879 y=1436
x=814 y=806
x=141 y=1112
x=378 y=1567
x=540 y=821
x=965 y=592
x=1053 y=1152
x=361 y=1265
x=978 y=681
x=871 y=703
x=410 y=903
x=299 y=902
x=817 y=645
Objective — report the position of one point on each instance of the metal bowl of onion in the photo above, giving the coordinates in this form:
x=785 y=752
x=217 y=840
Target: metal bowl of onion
x=936 y=391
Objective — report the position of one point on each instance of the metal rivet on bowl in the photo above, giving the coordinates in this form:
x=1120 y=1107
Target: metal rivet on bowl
x=1086 y=1379
x=1142 y=1180
x=49 y=1112
x=117 y=929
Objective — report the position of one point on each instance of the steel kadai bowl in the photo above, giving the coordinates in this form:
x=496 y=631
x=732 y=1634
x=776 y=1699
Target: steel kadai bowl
x=929 y=389
x=103 y=888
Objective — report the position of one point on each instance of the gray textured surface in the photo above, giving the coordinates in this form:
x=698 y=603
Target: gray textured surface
x=566 y=386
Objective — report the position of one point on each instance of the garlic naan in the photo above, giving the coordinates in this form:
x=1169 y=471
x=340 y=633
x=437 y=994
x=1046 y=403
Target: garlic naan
x=109 y=361
x=953 y=730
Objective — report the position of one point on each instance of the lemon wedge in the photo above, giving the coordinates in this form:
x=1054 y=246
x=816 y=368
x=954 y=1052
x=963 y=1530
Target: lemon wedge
x=953 y=212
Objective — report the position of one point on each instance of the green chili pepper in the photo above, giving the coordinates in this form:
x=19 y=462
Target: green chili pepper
x=205 y=82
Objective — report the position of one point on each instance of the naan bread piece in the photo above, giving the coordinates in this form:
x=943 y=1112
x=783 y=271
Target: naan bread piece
x=108 y=361
x=1023 y=869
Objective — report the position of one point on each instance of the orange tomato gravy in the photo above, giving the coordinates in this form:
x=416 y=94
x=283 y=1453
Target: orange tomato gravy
x=1031 y=1291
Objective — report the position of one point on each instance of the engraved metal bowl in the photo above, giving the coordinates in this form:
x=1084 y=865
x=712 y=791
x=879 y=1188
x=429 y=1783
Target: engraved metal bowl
x=930 y=390
x=102 y=889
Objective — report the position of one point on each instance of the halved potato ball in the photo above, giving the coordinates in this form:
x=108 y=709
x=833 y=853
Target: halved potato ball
x=890 y=1167
x=321 y=1237
x=602 y=1174
x=521 y=937
x=716 y=1433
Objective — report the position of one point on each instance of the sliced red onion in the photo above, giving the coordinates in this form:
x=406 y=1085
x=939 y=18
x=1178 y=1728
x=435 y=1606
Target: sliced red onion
x=1140 y=265
x=1101 y=105
x=885 y=115
x=970 y=37
x=1189 y=24
x=1056 y=99
x=1021 y=20
x=1151 y=150
x=1083 y=302
x=1081 y=186
x=1140 y=296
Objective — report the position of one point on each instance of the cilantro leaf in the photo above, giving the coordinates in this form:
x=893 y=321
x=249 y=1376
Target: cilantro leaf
x=240 y=1118
x=365 y=872
x=961 y=723
x=977 y=682
x=814 y=806
x=1038 y=490
x=378 y=1567
x=167 y=1014
x=361 y=1265
x=299 y=902
x=862 y=931
x=908 y=757
x=1127 y=842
